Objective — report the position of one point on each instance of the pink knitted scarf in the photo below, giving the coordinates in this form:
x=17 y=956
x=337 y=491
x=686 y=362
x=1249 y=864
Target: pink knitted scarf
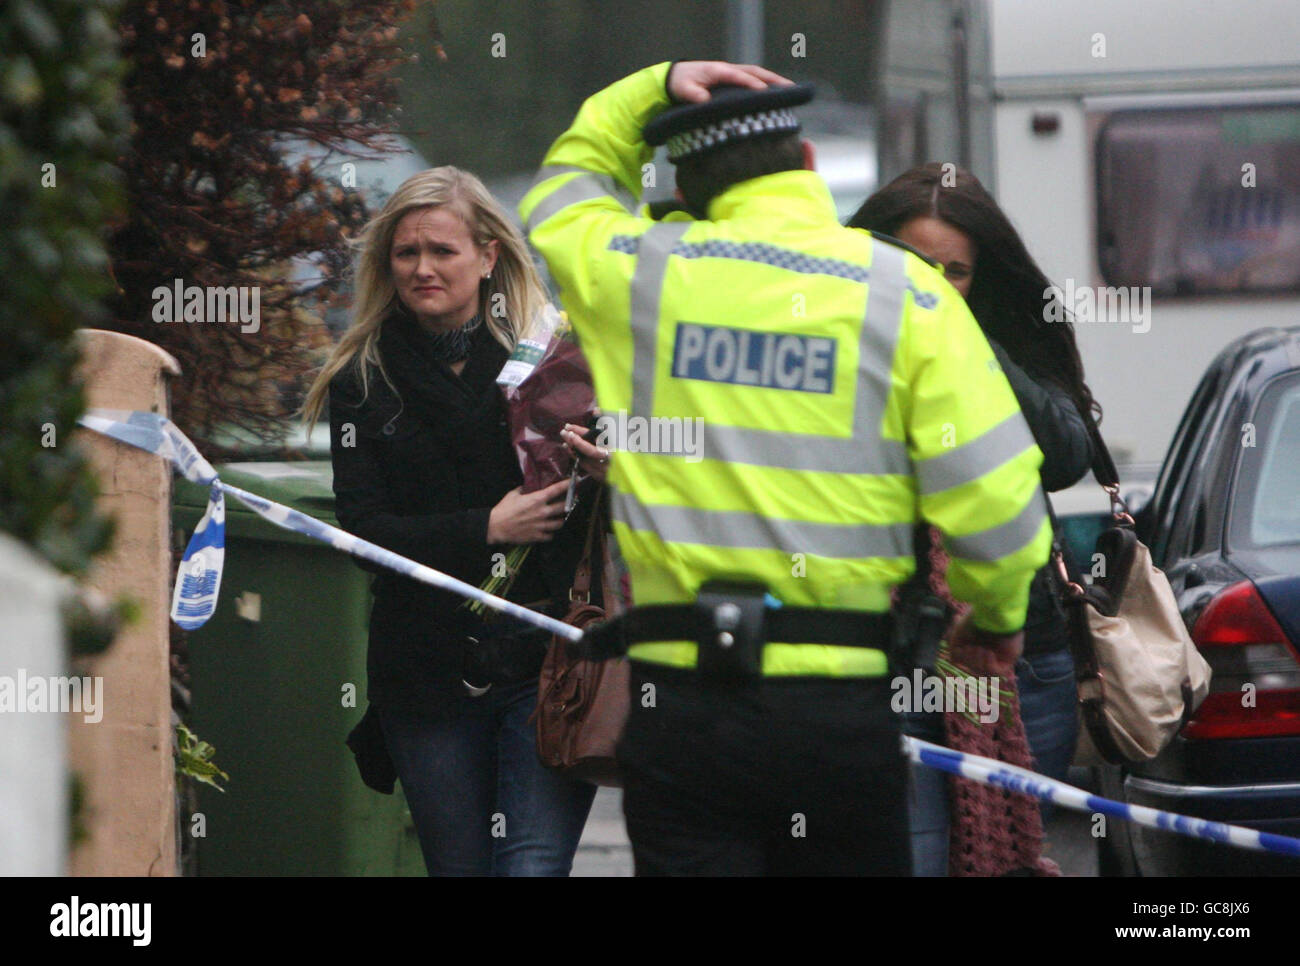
x=992 y=831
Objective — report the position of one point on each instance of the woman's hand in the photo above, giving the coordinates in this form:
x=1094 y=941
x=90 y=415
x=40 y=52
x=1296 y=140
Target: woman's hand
x=528 y=517
x=689 y=81
x=593 y=460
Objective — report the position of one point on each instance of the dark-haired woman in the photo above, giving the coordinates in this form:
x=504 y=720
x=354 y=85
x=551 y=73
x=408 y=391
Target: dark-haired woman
x=947 y=215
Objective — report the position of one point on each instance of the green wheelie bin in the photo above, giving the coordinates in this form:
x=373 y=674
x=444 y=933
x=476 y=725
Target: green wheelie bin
x=278 y=681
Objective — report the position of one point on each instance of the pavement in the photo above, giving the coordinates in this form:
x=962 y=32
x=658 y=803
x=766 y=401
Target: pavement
x=605 y=850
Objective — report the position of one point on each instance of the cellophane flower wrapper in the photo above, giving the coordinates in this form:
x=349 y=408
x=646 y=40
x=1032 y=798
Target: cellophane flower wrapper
x=546 y=383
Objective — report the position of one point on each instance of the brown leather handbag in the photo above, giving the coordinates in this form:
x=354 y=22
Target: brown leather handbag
x=582 y=705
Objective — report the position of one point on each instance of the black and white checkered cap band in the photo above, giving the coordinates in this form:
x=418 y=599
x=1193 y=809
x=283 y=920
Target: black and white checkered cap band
x=731 y=129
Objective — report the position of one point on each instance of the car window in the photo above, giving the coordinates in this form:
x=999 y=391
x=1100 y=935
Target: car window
x=1171 y=488
x=1266 y=500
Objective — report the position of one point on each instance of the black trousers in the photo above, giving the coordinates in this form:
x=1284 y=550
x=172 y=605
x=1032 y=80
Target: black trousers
x=793 y=776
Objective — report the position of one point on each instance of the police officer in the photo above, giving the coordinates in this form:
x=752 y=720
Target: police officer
x=843 y=386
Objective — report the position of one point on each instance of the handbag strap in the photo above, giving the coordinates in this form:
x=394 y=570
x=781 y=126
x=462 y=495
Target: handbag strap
x=1103 y=468
x=581 y=590
x=1070 y=584
x=1103 y=465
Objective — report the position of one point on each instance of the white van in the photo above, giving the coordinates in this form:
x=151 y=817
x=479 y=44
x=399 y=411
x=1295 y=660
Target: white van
x=1149 y=154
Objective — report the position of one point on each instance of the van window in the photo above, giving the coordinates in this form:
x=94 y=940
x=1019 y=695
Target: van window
x=1200 y=200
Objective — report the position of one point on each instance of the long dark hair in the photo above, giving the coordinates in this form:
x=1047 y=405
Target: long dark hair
x=1006 y=294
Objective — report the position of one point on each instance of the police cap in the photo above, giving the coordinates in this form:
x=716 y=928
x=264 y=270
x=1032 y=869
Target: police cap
x=730 y=114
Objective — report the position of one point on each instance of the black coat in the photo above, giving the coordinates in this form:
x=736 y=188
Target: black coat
x=1060 y=432
x=419 y=475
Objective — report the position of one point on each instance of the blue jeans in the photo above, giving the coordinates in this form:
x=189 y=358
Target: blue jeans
x=1045 y=683
x=927 y=801
x=1048 y=707
x=482 y=802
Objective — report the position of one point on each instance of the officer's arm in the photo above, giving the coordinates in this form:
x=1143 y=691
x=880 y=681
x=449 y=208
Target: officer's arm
x=589 y=184
x=976 y=462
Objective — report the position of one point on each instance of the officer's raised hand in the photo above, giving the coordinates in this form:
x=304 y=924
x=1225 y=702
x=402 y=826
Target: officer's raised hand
x=689 y=81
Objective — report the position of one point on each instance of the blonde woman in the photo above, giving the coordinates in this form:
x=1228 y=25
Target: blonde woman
x=423 y=465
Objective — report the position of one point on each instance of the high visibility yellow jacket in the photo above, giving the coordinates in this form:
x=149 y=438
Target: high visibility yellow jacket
x=839 y=383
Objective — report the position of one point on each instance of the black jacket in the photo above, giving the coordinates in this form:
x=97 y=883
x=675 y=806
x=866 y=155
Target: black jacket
x=1061 y=433
x=418 y=473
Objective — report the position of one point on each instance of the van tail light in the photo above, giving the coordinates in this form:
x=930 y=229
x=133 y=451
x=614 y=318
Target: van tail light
x=1255 y=687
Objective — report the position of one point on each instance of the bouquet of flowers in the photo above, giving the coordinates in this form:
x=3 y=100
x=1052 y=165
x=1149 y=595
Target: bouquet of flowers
x=546 y=383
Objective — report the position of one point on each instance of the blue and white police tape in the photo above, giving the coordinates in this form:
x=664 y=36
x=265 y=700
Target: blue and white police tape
x=986 y=771
x=205 y=555
x=199 y=577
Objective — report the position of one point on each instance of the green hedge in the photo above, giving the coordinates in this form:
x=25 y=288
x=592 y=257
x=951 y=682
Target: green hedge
x=61 y=122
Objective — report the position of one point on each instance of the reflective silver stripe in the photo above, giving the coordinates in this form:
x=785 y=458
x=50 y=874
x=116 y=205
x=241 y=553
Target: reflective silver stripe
x=548 y=171
x=647 y=286
x=621 y=194
x=741 y=529
x=880 y=326
x=865 y=451
x=585 y=187
x=1002 y=540
x=986 y=452
x=795 y=451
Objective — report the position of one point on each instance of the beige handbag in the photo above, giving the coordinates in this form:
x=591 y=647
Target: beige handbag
x=1139 y=675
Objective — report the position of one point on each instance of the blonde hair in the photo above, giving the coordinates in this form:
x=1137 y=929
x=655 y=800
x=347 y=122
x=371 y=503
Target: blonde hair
x=514 y=291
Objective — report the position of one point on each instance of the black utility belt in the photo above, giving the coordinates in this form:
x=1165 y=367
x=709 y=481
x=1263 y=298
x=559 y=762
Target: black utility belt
x=730 y=623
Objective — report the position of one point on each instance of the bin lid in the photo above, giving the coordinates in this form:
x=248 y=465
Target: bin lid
x=307 y=486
